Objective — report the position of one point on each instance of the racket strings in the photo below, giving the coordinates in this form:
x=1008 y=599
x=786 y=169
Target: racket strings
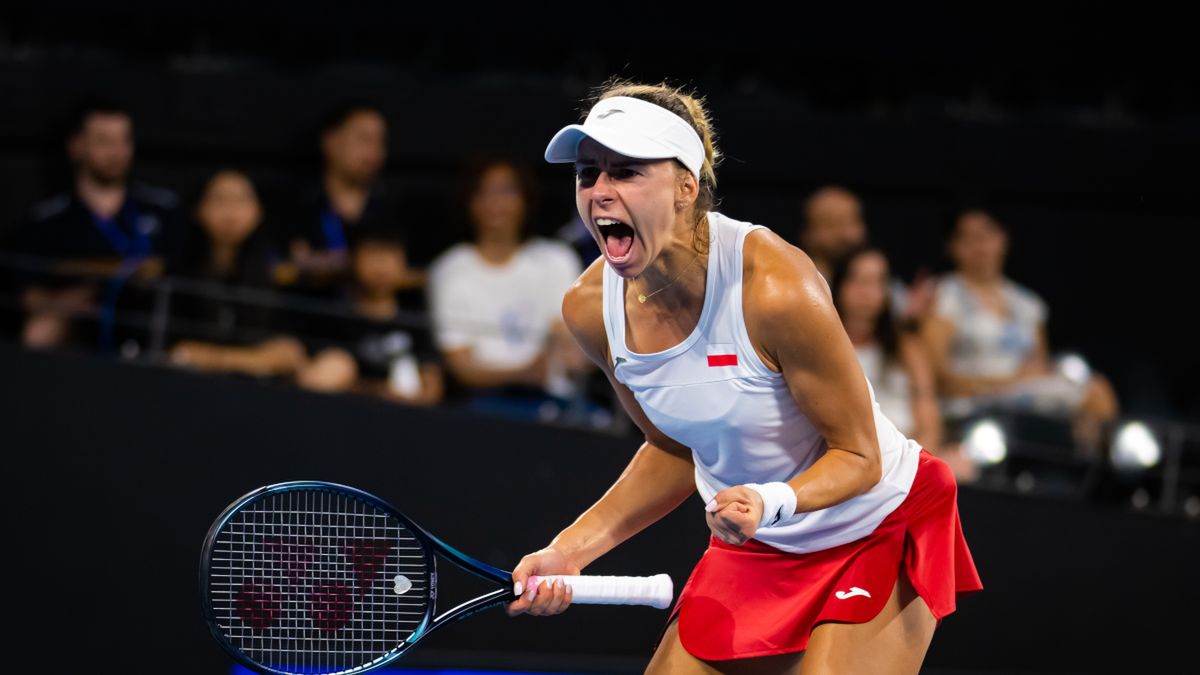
x=311 y=581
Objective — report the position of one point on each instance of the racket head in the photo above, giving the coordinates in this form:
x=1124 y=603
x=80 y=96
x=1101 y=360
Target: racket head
x=316 y=577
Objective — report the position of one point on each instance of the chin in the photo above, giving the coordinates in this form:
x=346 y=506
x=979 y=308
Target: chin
x=109 y=176
x=630 y=270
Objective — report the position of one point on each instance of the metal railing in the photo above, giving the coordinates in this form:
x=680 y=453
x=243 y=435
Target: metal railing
x=1171 y=486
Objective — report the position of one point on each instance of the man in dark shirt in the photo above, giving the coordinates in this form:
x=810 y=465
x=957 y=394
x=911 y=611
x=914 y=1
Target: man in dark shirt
x=106 y=226
x=350 y=196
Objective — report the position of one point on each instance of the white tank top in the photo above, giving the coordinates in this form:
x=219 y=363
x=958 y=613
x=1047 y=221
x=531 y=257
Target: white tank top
x=713 y=393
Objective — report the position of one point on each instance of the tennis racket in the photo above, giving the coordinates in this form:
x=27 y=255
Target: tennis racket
x=313 y=577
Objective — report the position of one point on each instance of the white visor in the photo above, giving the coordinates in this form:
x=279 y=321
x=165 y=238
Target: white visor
x=634 y=128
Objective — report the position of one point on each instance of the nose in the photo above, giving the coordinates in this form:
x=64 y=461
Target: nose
x=602 y=188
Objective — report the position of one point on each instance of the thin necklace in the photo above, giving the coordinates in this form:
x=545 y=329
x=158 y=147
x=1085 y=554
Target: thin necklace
x=643 y=298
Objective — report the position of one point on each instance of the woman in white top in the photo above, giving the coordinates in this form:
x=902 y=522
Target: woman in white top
x=496 y=299
x=987 y=338
x=893 y=360
x=723 y=345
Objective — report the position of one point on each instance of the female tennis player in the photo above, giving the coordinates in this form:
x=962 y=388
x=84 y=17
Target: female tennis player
x=836 y=545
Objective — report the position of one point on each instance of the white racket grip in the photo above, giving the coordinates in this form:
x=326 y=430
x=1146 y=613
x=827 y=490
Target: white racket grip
x=655 y=591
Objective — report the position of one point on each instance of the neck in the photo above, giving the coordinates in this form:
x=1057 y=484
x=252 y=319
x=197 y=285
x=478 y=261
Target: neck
x=223 y=258
x=103 y=199
x=347 y=196
x=496 y=247
x=376 y=305
x=677 y=277
x=340 y=183
x=981 y=277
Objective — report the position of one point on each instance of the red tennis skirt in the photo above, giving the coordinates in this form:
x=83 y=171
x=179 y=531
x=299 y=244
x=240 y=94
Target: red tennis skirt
x=756 y=600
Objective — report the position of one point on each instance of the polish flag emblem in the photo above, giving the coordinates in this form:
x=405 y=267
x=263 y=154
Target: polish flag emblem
x=721 y=355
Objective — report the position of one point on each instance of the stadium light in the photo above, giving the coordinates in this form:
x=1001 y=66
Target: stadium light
x=1135 y=448
x=985 y=442
x=1074 y=368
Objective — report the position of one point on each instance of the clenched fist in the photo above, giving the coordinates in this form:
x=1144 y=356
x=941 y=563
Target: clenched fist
x=733 y=514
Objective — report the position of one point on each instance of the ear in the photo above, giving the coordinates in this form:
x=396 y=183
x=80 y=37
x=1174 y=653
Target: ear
x=686 y=189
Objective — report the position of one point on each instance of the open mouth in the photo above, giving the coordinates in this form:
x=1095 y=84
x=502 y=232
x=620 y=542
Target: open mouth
x=617 y=236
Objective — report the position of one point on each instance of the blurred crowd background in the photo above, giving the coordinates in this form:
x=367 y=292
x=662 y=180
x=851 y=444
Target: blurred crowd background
x=357 y=207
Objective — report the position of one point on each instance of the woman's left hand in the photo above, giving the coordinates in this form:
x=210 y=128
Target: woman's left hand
x=733 y=514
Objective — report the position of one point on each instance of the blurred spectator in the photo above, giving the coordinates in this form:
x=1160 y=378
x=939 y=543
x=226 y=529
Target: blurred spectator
x=104 y=225
x=227 y=248
x=497 y=300
x=833 y=226
x=987 y=338
x=350 y=196
x=384 y=350
x=894 y=361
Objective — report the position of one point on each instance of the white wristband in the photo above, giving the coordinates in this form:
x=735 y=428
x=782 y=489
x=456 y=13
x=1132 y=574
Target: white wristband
x=779 y=502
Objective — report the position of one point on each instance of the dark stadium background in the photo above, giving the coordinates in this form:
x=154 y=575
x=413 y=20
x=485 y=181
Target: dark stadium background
x=1079 y=126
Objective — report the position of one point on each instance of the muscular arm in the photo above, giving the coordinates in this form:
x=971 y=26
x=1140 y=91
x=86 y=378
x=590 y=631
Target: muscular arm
x=792 y=322
x=654 y=483
x=790 y=313
x=658 y=478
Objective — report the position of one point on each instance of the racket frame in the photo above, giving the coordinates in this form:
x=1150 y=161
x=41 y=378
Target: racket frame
x=430 y=545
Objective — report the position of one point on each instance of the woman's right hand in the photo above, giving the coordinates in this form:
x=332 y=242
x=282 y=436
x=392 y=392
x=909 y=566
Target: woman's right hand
x=549 y=600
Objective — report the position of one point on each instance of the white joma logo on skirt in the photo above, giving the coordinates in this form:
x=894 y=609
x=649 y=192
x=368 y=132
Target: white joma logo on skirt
x=854 y=590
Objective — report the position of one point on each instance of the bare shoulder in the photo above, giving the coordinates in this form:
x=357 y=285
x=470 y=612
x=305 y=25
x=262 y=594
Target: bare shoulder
x=583 y=312
x=779 y=278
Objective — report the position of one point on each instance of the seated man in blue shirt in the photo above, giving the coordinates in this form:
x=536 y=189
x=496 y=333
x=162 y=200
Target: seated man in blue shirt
x=105 y=226
x=349 y=197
